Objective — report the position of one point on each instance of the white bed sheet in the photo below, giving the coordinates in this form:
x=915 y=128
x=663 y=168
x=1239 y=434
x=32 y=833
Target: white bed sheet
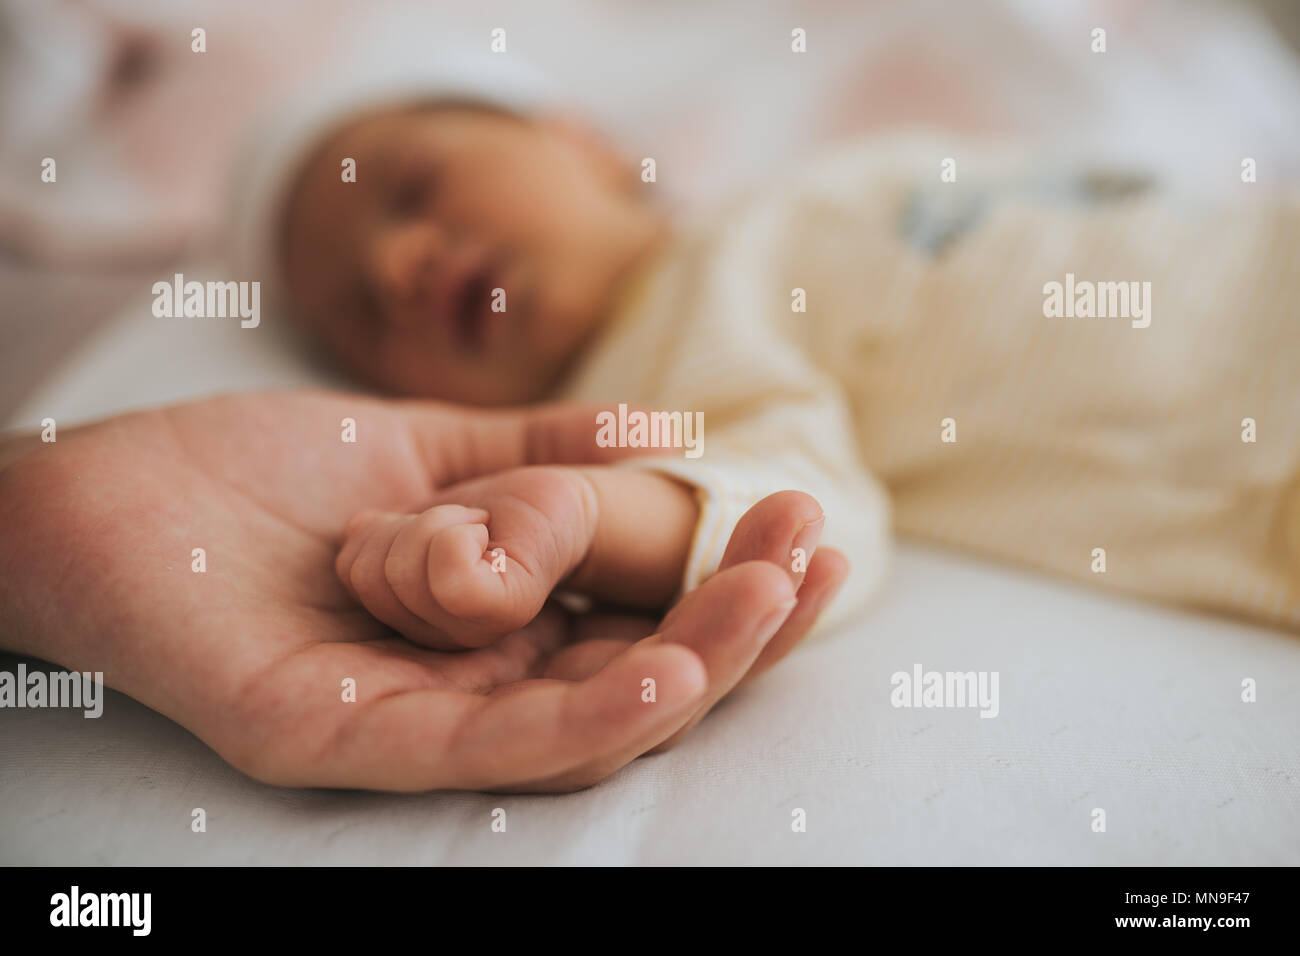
x=1104 y=703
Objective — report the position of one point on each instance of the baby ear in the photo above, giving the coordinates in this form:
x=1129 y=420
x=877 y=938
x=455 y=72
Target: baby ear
x=613 y=166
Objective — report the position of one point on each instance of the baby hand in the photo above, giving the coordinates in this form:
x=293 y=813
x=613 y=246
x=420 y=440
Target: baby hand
x=478 y=564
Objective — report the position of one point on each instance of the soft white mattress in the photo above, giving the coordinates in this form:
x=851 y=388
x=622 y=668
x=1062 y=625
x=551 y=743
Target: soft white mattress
x=1104 y=703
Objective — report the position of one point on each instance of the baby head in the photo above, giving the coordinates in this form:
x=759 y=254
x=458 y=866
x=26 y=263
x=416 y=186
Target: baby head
x=472 y=255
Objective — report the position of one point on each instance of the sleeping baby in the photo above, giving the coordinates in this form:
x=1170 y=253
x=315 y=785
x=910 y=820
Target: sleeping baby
x=1068 y=369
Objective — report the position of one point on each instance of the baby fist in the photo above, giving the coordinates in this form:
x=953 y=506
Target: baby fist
x=477 y=565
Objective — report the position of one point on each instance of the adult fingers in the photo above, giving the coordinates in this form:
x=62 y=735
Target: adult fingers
x=595 y=639
x=783 y=528
x=725 y=622
x=598 y=638
x=825 y=576
x=424 y=740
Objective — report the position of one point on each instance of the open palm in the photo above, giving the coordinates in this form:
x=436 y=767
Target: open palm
x=260 y=654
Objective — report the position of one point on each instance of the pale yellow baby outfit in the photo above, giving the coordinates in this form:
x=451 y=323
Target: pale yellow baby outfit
x=1156 y=451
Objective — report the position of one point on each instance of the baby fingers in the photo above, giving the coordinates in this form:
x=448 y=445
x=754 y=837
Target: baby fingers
x=436 y=578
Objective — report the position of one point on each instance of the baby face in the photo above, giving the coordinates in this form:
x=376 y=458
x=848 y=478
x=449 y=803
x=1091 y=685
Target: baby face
x=471 y=258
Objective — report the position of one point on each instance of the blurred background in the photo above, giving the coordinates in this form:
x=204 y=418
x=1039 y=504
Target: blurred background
x=145 y=132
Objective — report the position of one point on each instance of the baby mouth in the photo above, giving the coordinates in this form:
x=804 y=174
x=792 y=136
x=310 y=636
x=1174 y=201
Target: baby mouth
x=475 y=303
x=472 y=310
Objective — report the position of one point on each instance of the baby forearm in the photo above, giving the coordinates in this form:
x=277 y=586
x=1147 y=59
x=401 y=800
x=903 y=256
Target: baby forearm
x=642 y=540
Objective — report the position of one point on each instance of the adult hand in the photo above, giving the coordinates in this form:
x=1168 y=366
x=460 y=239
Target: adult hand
x=97 y=536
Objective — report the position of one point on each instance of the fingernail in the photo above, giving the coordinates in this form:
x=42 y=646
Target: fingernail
x=806 y=538
x=774 y=618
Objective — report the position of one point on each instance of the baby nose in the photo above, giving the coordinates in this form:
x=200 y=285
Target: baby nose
x=405 y=266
